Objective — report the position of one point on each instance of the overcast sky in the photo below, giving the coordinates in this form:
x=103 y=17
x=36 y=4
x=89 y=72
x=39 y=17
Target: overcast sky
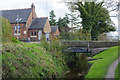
x=43 y=7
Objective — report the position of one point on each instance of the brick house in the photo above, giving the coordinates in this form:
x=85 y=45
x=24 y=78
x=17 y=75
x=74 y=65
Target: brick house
x=54 y=31
x=29 y=25
x=38 y=27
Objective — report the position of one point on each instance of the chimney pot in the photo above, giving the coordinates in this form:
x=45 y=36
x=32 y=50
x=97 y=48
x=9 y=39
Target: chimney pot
x=32 y=5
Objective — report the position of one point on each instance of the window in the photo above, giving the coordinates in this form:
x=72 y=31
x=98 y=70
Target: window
x=15 y=29
x=31 y=33
x=18 y=29
x=35 y=33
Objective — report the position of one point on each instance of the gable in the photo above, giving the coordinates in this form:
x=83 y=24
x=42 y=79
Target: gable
x=11 y=15
x=54 y=28
x=47 y=28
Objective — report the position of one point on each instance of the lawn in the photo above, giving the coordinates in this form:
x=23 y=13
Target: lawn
x=117 y=72
x=100 y=67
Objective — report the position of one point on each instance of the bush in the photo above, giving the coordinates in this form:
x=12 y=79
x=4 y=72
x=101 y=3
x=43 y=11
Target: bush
x=82 y=64
x=54 y=46
x=15 y=40
x=6 y=30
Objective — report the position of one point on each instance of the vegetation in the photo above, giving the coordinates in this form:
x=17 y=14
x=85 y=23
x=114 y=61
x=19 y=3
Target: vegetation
x=15 y=40
x=63 y=26
x=100 y=67
x=117 y=72
x=52 y=18
x=6 y=30
x=30 y=60
x=80 y=35
x=95 y=18
x=82 y=65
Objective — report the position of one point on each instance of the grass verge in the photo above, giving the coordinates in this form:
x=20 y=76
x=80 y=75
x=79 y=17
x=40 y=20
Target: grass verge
x=100 y=67
x=117 y=72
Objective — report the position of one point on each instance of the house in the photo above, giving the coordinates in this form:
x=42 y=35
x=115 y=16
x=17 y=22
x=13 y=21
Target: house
x=38 y=27
x=25 y=23
x=54 y=31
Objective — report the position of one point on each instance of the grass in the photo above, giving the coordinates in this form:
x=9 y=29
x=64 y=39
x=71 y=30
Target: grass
x=117 y=72
x=30 y=60
x=100 y=67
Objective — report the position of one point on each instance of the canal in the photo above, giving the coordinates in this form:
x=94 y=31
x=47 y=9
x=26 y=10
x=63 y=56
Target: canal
x=78 y=65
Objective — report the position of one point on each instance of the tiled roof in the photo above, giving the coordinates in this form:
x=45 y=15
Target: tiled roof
x=11 y=15
x=54 y=28
x=38 y=23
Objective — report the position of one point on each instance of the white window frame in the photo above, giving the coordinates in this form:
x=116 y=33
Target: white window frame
x=17 y=31
x=33 y=33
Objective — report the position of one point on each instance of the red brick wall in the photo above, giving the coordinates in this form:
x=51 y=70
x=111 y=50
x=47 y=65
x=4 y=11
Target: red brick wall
x=52 y=34
x=34 y=38
x=22 y=29
x=57 y=32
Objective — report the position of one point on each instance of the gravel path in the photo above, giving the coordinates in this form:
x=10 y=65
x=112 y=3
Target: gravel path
x=112 y=68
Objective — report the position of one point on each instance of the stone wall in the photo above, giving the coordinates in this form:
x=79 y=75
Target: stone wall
x=92 y=44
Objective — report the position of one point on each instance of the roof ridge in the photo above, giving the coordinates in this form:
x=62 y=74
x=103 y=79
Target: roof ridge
x=39 y=17
x=42 y=17
x=15 y=9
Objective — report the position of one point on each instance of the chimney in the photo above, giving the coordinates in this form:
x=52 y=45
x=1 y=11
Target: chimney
x=33 y=11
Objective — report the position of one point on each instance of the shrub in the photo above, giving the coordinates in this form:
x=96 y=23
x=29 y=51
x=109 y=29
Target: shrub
x=82 y=64
x=15 y=40
x=6 y=30
x=54 y=46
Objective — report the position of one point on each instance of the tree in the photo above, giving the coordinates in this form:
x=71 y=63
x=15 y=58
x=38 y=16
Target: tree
x=95 y=18
x=63 y=25
x=5 y=30
x=74 y=21
x=52 y=18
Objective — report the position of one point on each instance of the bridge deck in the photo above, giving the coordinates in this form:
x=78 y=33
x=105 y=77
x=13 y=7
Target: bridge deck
x=91 y=44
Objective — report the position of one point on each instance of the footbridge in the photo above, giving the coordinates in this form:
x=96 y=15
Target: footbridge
x=93 y=47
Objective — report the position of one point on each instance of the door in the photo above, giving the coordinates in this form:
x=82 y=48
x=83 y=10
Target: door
x=39 y=35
